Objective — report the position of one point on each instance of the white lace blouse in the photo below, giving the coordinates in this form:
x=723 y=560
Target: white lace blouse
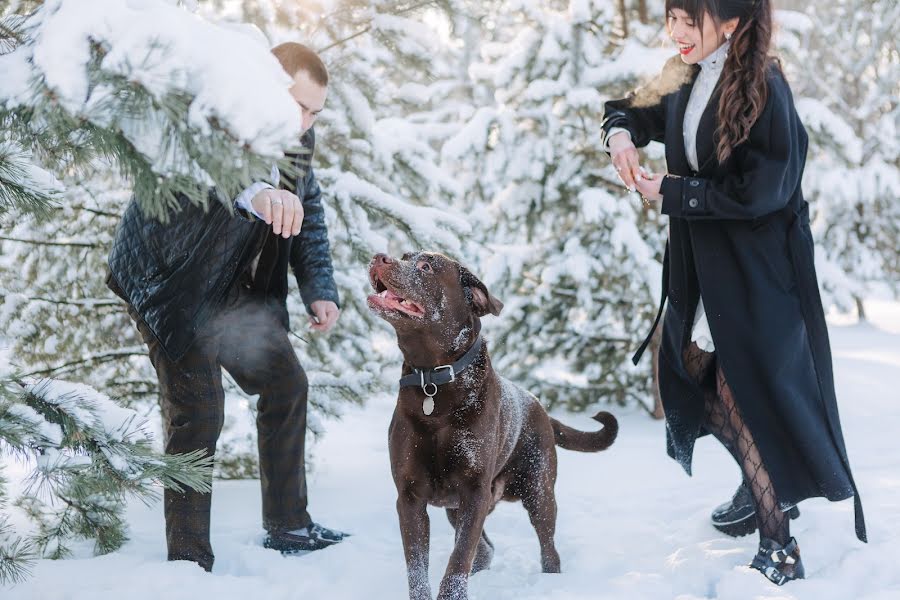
x=710 y=70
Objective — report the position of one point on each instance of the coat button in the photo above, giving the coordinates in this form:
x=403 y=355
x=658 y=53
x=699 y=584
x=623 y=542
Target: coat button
x=694 y=183
x=693 y=203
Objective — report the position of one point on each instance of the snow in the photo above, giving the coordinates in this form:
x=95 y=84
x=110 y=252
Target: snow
x=50 y=433
x=230 y=72
x=634 y=60
x=440 y=225
x=472 y=136
x=631 y=524
x=90 y=408
x=816 y=116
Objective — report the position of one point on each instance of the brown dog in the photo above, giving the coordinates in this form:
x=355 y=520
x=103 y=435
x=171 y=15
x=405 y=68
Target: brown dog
x=463 y=438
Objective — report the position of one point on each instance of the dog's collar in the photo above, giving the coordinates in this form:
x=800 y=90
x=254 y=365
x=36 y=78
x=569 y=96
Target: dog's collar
x=430 y=379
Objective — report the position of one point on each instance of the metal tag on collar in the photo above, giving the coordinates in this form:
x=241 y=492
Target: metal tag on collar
x=434 y=387
x=428 y=403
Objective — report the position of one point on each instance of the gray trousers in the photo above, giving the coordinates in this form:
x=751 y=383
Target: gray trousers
x=248 y=341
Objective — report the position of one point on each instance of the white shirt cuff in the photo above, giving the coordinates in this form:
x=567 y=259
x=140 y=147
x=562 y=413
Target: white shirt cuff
x=614 y=131
x=245 y=199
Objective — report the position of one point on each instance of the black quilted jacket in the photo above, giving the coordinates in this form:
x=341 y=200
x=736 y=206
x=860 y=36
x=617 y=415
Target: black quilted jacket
x=176 y=275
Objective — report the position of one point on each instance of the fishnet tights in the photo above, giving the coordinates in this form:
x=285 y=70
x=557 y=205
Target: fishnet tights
x=724 y=421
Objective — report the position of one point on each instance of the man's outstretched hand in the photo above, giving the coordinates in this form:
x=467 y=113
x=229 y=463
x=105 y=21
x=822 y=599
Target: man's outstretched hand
x=280 y=209
x=327 y=312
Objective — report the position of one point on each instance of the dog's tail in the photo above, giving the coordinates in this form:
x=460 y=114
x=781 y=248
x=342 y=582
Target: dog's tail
x=587 y=441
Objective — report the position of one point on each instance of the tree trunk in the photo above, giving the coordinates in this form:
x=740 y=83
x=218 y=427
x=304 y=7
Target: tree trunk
x=642 y=11
x=654 y=351
x=860 y=309
x=623 y=12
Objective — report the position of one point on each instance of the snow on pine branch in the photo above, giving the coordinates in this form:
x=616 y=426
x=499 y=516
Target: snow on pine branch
x=74 y=426
x=21 y=177
x=171 y=99
x=86 y=455
x=427 y=226
x=233 y=78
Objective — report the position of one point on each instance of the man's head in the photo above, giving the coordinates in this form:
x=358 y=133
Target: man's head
x=310 y=77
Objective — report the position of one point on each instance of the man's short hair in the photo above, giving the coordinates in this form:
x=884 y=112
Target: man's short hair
x=296 y=57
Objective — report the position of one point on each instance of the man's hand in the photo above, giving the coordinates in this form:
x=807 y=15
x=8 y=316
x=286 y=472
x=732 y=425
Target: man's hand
x=648 y=185
x=625 y=159
x=327 y=314
x=280 y=209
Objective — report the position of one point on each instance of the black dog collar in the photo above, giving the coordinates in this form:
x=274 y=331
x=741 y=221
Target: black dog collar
x=430 y=379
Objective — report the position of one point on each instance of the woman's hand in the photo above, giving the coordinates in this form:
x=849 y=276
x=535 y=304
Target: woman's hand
x=625 y=159
x=648 y=185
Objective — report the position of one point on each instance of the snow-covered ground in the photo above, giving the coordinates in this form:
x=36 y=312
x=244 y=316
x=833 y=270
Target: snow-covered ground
x=631 y=524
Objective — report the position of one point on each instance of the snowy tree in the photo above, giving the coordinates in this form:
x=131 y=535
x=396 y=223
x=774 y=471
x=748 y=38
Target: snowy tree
x=115 y=110
x=574 y=256
x=844 y=64
x=88 y=455
x=78 y=87
x=86 y=99
x=383 y=190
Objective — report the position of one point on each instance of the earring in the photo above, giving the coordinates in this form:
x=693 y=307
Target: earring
x=728 y=36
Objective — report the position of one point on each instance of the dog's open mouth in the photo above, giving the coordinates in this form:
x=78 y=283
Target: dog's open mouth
x=387 y=299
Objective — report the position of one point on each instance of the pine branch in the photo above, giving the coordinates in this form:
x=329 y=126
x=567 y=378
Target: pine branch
x=368 y=28
x=17 y=555
x=95 y=211
x=81 y=303
x=91 y=456
x=18 y=194
x=92 y=359
x=73 y=244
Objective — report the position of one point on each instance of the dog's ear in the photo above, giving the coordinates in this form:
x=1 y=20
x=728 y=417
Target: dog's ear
x=477 y=294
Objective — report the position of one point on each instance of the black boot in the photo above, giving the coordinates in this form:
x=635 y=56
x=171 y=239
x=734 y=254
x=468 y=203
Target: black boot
x=300 y=541
x=778 y=563
x=738 y=517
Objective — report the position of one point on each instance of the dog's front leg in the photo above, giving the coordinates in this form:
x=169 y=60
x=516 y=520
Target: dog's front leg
x=473 y=510
x=415 y=531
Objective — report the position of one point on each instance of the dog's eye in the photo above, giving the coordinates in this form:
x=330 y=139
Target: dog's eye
x=424 y=266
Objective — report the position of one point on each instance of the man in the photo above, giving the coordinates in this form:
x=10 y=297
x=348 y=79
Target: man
x=208 y=291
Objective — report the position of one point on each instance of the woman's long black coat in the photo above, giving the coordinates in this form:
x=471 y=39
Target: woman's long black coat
x=739 y=234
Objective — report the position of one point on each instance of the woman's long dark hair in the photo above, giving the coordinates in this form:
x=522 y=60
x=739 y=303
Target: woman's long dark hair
x=743 y=84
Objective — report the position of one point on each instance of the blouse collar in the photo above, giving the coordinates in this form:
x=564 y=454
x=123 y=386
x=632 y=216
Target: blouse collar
x=716 y=61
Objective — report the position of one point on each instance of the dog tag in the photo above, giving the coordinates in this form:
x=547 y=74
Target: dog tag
x=428 y=406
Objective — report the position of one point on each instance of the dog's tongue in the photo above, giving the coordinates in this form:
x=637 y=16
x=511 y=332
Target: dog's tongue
x=389 y=299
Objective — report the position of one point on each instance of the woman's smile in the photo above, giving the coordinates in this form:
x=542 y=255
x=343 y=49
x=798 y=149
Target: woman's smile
x=686 y=49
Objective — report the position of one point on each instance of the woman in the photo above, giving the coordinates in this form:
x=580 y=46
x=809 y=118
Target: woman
x=745 y=353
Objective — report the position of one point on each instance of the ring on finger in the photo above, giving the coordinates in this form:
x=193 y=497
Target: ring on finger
x=275 y=200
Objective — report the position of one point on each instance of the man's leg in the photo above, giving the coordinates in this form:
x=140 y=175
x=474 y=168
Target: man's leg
x=192 y=403
x=256 y=351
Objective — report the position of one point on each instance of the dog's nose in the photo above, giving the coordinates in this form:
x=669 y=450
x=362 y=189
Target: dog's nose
x=383 y=259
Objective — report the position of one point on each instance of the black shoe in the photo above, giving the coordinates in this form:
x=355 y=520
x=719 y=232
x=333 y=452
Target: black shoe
x=300 y=541
x=324 y=533
x=738 y=517
x=778 y=563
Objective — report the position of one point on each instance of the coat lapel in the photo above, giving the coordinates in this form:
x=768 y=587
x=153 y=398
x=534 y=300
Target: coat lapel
x=676 y=158
x=706 y=130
